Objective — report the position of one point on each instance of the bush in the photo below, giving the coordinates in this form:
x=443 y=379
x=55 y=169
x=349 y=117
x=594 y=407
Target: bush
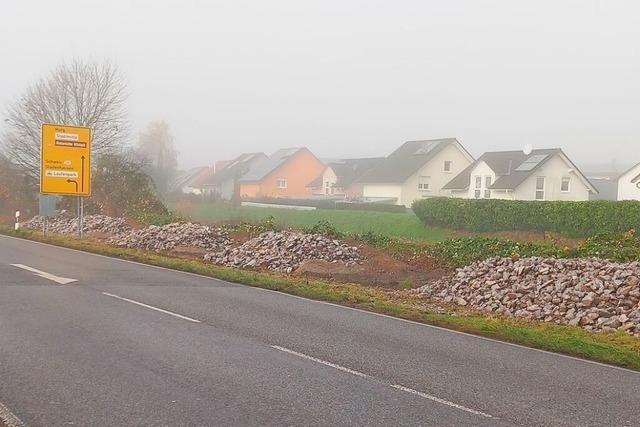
x=616 y=247
x=576 y=219
x=464 y=251
x=325 y=228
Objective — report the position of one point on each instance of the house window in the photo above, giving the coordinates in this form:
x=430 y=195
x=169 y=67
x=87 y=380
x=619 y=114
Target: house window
x=478 y=187
x=281 y=183
x=487 y=185
x=447 y=165
x=565 y=187
x=540 y=184
x=424 y=183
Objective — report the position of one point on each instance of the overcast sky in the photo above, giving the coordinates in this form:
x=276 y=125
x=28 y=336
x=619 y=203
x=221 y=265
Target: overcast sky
x=351 y=78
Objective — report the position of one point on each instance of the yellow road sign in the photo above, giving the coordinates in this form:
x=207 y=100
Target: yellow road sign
x=65 y=160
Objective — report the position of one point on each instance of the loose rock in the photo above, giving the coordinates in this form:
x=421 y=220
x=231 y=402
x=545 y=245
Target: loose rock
x=595 y=294
x=167 y=237
x=284 y=251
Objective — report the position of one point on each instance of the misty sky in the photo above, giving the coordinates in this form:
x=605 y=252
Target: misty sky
x=351 y=78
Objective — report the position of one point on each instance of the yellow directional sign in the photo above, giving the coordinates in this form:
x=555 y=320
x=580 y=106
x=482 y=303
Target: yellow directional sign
x=65 y=160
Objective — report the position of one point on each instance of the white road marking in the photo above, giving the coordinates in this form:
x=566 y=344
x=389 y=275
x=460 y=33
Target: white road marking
x=9 y=418
x=437 y=399
x=180 y=316
x=399 y=387
x=45 y=275
x=324 y=362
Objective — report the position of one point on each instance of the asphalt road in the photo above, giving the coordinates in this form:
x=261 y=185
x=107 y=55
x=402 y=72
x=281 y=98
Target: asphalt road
x=133 y=345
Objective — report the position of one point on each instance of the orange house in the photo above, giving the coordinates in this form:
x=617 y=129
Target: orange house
x=286 y=173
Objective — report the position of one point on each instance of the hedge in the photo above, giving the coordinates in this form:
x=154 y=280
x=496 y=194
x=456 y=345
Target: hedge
x=575 y=219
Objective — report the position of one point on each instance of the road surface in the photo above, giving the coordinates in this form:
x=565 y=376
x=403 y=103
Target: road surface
x=87 y=340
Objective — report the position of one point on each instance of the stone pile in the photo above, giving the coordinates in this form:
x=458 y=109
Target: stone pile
x=167 y=237
x=595 y=294
x=64 y=223
x=284 y=251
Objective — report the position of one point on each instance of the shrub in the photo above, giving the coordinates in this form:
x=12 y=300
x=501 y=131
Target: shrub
x=576 y=219
x=616 y=247
x=325 y=228
x=464 y=251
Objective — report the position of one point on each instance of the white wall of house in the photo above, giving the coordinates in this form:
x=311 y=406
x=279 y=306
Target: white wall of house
x=553 y=171
x=373 y=192
x=482 y=177
x=433 y=174
x=628 y=190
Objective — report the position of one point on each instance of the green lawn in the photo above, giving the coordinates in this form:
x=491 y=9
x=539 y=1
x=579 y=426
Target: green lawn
x=390 y=224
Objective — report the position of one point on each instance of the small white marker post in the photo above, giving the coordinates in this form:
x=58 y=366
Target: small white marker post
x=17 y=225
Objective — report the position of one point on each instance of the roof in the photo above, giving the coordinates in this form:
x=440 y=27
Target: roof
x=262 y=169
x=236 y=167
x=188 y=178
x=512 y=168
x=407 y=160
x=607 y=189
x=347 y=171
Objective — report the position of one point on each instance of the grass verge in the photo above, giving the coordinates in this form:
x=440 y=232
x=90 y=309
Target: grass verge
x=615 y=348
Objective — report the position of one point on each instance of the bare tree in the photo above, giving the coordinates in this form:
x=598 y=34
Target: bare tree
x=156 y=149
x=80 y=94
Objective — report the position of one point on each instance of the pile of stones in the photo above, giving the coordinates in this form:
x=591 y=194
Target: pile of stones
x=64 y=223
x=595 y=294
x=284 y=251
x=167 y=237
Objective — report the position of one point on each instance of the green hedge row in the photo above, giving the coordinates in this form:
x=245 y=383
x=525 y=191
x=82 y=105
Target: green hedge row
x=576 y=219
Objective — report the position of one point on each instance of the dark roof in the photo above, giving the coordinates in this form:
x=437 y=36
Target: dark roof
x=406 y=160
x=506 y=165
x=237 y=167
x=347 y=171
x=607 y=189
x=184 y=179
x=261 y=169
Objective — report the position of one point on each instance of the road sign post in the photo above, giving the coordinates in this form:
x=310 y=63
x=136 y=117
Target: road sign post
x=65 y=163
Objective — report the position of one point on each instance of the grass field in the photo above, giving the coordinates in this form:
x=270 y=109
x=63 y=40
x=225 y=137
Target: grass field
x=405 y=225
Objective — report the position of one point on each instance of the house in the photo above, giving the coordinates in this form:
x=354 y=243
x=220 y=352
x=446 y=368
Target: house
x=338 y=179
x=286 y=173
x=607 y=186
x=515 y=175
x=191 y=181
x=224 y=182
x=629 y=184
x=416 y=170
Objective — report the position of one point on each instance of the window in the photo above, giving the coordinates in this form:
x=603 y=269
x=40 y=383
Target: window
x=478 y=187
x=424 y=183
x=281 y=183
x=565 y=187
x=540 y=184
x=447 y=165
x=487 y=184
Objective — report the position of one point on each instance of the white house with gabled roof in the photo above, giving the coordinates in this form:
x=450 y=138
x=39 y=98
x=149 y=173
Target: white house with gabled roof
x=545 y=174
x=629 y=184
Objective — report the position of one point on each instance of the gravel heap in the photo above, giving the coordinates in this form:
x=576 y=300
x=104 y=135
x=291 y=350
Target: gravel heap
x=64 y=223
x=284 y=251
x=167 y=237
x=597 y=295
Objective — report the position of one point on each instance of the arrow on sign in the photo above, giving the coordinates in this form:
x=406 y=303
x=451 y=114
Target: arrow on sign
x=82 y=176
x=74 y=182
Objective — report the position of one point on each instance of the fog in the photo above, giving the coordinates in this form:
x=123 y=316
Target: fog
x=352 y=78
